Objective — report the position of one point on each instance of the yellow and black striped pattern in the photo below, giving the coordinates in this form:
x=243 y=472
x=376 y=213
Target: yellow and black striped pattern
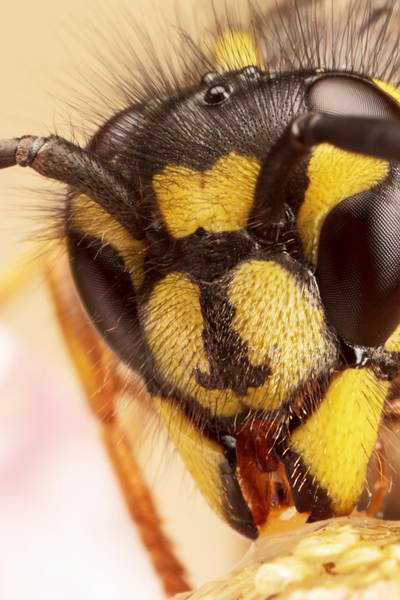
x=269 y=316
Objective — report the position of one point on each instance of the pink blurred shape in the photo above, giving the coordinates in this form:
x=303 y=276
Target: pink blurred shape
x=64 y=530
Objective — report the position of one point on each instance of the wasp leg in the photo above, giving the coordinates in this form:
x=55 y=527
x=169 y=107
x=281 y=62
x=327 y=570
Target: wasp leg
x=102 y=384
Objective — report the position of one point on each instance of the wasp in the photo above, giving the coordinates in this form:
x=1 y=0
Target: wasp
x=229 y=259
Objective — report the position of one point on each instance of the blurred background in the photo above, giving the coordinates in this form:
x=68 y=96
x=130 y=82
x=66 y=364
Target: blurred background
x=64 y=531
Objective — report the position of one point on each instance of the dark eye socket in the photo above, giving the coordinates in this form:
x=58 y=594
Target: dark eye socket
x=217 y=94
x=351 y=96
x=107 y=294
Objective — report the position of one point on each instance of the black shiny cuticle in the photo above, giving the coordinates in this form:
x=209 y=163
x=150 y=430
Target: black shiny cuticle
x=217 y=94
x=251 y=72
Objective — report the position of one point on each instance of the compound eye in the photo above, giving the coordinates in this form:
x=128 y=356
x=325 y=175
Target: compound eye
x=217 y=94
x=106 y=291
x=112 y=139
x=358 y=267
x=350 y=96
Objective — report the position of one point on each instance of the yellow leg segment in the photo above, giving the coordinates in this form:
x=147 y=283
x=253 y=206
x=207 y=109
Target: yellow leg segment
x=96 y=367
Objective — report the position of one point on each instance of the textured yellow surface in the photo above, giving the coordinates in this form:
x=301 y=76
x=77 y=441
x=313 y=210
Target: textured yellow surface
x=389 y=89
x=173 y=326
x=345 y=559
x=90 y=219
x=202 y=456
x=334 y=175
x=336 y=442
x=218 y=200
x=282 y=327
x=392 y=344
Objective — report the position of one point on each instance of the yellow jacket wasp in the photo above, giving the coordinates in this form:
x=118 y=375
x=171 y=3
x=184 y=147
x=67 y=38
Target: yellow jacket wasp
x=234 y=243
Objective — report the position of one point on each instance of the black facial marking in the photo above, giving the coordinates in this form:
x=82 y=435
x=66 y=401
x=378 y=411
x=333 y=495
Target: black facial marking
x=308 y=494
x=226 y=352
x=235 y=506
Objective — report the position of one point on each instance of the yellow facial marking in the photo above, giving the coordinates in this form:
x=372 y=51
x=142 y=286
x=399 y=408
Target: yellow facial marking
x=92 y=220
x=235 y=50
x=392 y=344
x=334 y=176
x=218 y=200
x=173 y=325
x=282 y=327
x=202 y=457
x=336 y=442
x=389 y=89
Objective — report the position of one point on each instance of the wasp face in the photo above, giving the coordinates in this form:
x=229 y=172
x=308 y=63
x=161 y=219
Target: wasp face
x=251 y=279
x=234 y=305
